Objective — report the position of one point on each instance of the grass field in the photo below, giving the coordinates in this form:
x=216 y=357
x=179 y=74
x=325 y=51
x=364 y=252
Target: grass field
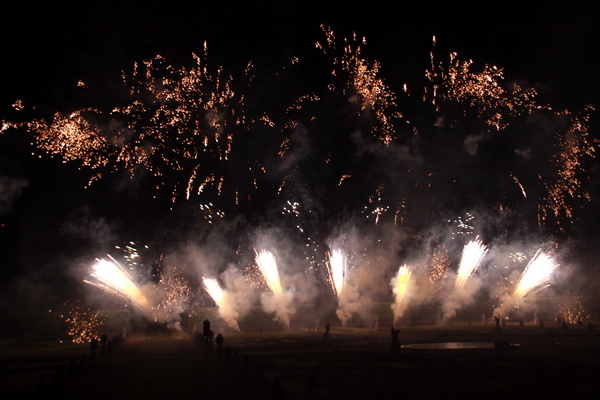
x=524 y=361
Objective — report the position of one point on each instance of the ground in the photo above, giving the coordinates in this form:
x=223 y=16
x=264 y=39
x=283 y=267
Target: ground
x=522 y=362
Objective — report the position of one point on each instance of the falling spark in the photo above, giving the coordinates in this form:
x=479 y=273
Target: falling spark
x=439 y=263
x=83 y=324
x=472 y=254
x=519 y=184
x=268 y=266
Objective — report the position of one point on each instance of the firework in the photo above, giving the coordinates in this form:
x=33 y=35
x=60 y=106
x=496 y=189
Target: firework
x=472 y=254
x=439 y=263
x=224 y=301
x=268 y=266
x=399 y=287
x=112 y=278
x=536 y=275
x=214 y=289
x=171 y=296
x=337 y=269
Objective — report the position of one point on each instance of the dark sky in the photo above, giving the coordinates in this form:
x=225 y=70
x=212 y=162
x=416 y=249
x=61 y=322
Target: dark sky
x=48 y=47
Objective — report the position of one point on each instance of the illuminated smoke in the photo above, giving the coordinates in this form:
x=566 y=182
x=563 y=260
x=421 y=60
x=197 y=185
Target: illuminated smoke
x=225 y=302
x=465 y=287
x=399 y=285
x=171 y=296
x=187 y=127
x=277 y=301
x=472 y=254
x=535 y=277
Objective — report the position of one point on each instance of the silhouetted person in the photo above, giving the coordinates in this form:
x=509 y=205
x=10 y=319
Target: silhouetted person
x=590 y=327
x=541 y=324
x=326 y=334
x=498 y=329
x=395 y=333
x=206 y=329
x=521 y=324
x=219 y=345
x=94 y=345
x=564 y=324
x=395 y=345
x=104 y=341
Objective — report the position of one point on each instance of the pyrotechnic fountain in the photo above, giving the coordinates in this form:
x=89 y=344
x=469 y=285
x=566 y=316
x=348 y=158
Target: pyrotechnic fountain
x=224 y=301
x=400 y=287
x=473 y=253
x=536 y=276
x=112 y=278
x=337 y=269
x=278 y=301
x=463 y=293
x=345 y=291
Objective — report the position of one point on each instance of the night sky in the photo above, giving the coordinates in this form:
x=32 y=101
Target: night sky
x=49 y=222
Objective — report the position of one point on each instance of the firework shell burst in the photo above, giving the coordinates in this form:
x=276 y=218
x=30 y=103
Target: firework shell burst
x=191 y=129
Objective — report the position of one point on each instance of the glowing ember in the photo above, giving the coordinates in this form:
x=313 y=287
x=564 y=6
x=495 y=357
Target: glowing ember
x=473 y=253
x=84 y=324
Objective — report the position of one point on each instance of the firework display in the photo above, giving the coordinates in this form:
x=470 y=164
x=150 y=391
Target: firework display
x=336 y=156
